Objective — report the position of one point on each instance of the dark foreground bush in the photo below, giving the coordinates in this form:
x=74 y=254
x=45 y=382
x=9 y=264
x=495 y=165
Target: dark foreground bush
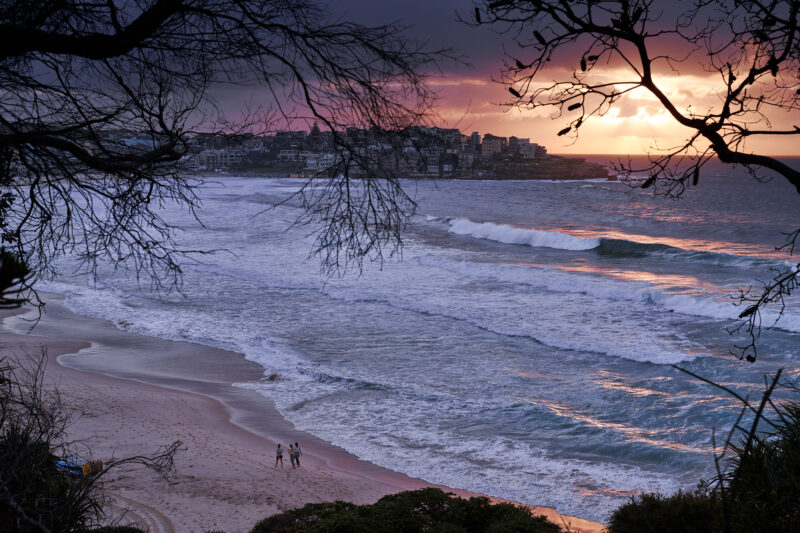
x=684 y=512
x=758 y=492
x=428 y=510
x=763 y=486
x=35 y=496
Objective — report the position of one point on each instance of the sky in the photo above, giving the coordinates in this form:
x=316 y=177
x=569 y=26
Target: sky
x=470 y=99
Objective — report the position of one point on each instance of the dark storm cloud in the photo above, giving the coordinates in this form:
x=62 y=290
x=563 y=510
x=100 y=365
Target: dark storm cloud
x=471 y=100
x=434 y=22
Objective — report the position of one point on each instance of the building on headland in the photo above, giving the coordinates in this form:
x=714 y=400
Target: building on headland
x=492 y=145
x=413 y=152
x=219 y=159
x=475 y=141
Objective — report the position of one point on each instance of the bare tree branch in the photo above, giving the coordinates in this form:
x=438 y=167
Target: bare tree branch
x=34 y=493
x=752 y=47
x=78 y=78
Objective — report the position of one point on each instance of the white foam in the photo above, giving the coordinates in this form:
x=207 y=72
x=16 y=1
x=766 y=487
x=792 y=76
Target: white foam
x=608 y=290
x=514 y=235
x=392 y=434
x=689 y=305
x=590 y=314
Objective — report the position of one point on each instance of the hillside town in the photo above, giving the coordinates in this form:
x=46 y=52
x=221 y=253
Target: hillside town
x=414 y=152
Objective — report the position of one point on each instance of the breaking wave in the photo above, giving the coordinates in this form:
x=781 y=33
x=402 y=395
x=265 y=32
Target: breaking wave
x=515 y=235
x=510 y=234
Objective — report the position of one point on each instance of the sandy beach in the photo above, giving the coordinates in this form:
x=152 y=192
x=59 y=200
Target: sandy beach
x=132 y=394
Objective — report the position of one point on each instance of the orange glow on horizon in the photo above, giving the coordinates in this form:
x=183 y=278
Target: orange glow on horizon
x=637 y=124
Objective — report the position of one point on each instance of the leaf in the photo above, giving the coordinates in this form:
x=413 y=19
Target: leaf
x=520 y=65
x=574 y=106
x=592 y=58
x=749 y=311
x=539 y=38
x=583 y=64
x=514 y=92
x=564 y=131
x=477 y=15
x=696 y=176
x=648 y=182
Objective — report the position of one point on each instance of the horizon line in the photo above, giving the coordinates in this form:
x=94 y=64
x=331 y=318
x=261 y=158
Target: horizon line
x=642 y=154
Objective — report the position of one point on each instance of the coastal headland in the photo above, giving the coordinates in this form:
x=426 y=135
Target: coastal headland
x=413 y=152
x=131 y=394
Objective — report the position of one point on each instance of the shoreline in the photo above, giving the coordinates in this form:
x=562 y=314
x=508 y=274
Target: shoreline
x=267 y=175
x=140 y=386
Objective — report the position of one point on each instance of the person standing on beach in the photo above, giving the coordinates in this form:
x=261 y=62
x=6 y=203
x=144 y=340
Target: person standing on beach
x=297 y=454
x=292 y=455
x=279 y=456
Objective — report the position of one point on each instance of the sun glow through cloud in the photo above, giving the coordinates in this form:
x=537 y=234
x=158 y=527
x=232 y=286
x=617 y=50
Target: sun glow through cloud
x=636 y=124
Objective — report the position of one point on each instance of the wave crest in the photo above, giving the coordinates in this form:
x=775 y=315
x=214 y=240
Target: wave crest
x=514 y=235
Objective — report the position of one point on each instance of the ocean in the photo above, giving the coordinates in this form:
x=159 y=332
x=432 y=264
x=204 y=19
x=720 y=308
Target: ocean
x=521 y=345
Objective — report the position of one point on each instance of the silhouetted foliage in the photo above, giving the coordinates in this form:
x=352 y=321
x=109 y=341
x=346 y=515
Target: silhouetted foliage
x=35 y=496
x=763 y=481
x=756 y=489
x=78 y=78
x=14 y=278
x=408 y=512
x=683 y=512
x=617 y=47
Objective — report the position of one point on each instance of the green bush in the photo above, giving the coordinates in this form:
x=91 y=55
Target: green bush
x=35 y=495
x=428 y=510
x=758 y=492
x=683 y=512
x=763 y=482
x=14 y=275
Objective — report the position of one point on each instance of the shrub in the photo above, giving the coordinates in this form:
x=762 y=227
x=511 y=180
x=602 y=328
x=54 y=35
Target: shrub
x=34 y=494
x=683 y=512
x=758 y=492
x=428 y=510
x=763 y=482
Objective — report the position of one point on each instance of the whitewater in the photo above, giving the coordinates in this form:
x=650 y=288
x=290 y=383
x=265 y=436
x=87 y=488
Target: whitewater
x=521 y=345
